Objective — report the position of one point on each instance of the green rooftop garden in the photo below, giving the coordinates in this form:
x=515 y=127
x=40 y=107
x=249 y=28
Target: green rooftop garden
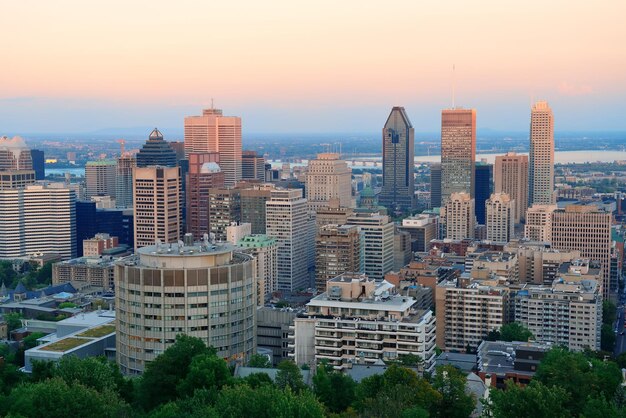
x=98 y=332
x=65 y=344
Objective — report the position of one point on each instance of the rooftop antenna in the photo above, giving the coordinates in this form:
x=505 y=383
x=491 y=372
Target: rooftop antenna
x=211 y=103
x=453 y=85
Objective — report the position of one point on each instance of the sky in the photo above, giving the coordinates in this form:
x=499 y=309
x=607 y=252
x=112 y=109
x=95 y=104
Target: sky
x=319 y=66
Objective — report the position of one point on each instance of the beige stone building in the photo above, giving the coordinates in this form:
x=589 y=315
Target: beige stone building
x=459 y=216
x=337 y=250
x=541 y=166
x=500 y=221
x=537 y=262
x=458 y=152
x=510 y=176
x=538 y=225
x=328 y=177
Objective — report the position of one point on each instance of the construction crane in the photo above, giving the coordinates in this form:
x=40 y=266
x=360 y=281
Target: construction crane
x=122 y=142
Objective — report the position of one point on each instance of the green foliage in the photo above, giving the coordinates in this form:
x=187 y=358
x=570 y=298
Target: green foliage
x=10 y=376
x=536 y=400
x=7 y=274
x=66 y=305
x=410 y=360
x=159 y=382
x=609 y=312
x=13 y=320
x=255 y=380
x=260 y=361
x=621 y=360
x=289 y=375
x=454 y=402
x=57 y=398
x=206 y=371
x=334 y=389
x=515 y=331
x=607 y=338
x=30 y=341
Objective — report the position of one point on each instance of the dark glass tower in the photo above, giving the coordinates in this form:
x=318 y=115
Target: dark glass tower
x=398 y=151
x=156 y=151
x=483 y=189
x=435 y=185
x=39 y=163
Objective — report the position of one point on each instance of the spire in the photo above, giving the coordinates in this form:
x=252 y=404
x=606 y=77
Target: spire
x=155 y=134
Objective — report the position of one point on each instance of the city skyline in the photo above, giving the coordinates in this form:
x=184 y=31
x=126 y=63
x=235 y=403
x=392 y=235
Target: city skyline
x=285 y=69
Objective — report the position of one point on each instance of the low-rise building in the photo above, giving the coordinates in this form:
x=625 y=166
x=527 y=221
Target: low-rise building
x=272 y=331
x=499 y=361
x=86 y=271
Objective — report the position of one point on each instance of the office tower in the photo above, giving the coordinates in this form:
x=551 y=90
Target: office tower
x=156 y=199
x=100 y=178
x=511 y=177
x=467 y=310
x=483 y=187
x=252 y=166
x=458 y=152
x=213 y=132
x=235 y=232
x=567 y=313
x=402 y=254
x=398 y=154
x=265 y=252
x=288 y=222
x=253 y=207
x=538 y=225
x=377 y=231
x=14 y=154
x=422 y=228
x=124 y=181
x=333 y=214
x=541 y=173
x=39 y=163
x=16 y=179
x=435 y=185
x=90 y=221
x=179 y=149
x=499 y=220
x=337 y=251
x=200 y=290
x=224 y=209
x=341 y=327
x=459 y=216
x=37 y=218
x=204 y=174
x=588 y=230
x=156 y=151
x=328 y=178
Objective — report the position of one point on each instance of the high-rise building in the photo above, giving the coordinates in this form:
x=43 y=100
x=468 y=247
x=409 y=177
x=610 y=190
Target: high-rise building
x=358 y=319
x=483 y=187
x=14 y=154
x=156 y=200
x=541 y=172
x=459 y=216
x=435 y=185
x=224 y=209
x=39 y=163
x=90 y=220
x=235 y=232
x=288 y=221
x=253 y=208
x=265 y=252
x=213 y=132
x=337 y=251
x=124 y=181
x=100 y=178
x=458 y=152
x=38 y=218
x=204 y=174
x=499 y=220
x=252 y=166
x=377 y=231
x=16 y=179
x=422 y=229
x=328 y=178
x=201 y=290
x=538 y=225
x=398 y=192
x=156 y=151
x=537 y=262
x=333 y=214
x=511 y=177
x=588 y=230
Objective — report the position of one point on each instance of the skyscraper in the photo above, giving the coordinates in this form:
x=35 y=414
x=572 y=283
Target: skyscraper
x=435 y=185
x=483 y=187
x=377 y=233
x=538 y=225
x=541 y=173
x=213 y=132
x=100 y=178
x=224 y=209
x=156 y=151
x=398 y=154
x=252 y=166
x=156 y=199
x=458 y=151
x=14 y=154
x=328 y=178
x=337 y=251
x=253 y=207
x=288 y=222
x=124 y=181
x=459 y=216
x=499 y=217
x=511 y=177
x=39 y=163
x=264 y=249
x=204 y=174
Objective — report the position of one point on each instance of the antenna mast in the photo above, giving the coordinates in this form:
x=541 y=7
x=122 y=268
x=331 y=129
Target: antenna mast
x=453 y=84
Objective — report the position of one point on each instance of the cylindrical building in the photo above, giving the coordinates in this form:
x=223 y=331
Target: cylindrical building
x=203 y=290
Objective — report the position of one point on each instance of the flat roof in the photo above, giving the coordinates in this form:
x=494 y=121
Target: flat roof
x=177 y=250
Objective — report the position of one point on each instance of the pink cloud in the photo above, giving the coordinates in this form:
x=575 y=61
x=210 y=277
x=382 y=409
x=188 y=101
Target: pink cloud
x=567 y=89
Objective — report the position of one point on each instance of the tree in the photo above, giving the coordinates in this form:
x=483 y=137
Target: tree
x=607 y=338
x=13 y=320
x=289 y=375
x=454 y=402
x=161 y=376
x=609 y=312
x=260 y=361
x=206 y=371
x=335 y=390
x=66 y=305
x=55 y=398
x=535 y=400
x=255 y=380
x=411 y=360
x=515 y=331
x=30 y=341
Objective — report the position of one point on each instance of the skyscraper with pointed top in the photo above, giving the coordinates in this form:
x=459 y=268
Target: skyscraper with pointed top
x=541 y=167
x=156 y=151
x=398 y=152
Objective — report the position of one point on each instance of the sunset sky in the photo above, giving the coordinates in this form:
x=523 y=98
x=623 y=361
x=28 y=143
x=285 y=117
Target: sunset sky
x=322 y=66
